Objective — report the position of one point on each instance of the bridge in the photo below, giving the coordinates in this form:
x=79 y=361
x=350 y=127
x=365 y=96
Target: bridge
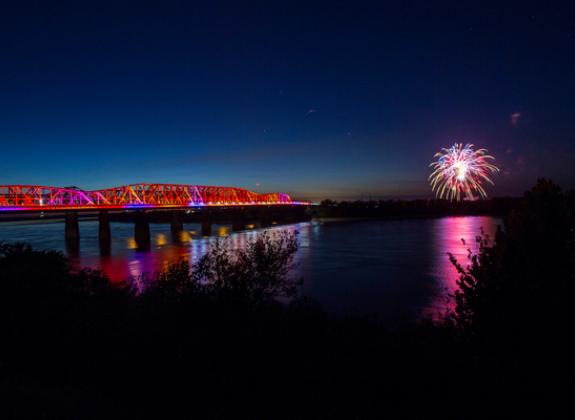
x=175 y=202
x=14 y=198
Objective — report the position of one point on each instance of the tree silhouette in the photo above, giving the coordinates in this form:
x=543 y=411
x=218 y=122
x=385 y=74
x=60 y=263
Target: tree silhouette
x=514 y=302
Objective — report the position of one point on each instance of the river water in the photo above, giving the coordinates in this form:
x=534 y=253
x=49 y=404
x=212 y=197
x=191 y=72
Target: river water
x=393 y=270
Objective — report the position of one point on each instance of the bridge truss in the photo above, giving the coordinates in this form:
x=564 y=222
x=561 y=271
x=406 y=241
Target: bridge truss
x=42 y=198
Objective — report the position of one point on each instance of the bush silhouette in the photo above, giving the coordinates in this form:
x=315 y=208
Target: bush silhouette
x=514 y=302
x=259 y=271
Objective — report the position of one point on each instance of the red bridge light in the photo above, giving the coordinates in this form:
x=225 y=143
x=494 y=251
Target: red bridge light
x=42 y=198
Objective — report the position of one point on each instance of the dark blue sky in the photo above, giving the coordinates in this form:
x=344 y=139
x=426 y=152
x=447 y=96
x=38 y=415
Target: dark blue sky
x=319 y=99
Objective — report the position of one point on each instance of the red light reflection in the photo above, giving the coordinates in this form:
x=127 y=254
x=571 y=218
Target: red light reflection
x=456 y=236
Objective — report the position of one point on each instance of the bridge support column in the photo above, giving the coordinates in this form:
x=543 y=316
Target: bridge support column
x=104 y=233
x=72 y=232
x=206 y=222
x=142 y=231
x=238 y=221
x=177 y=226
x=264 y=217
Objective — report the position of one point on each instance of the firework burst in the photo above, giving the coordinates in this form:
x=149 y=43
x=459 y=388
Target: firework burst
x=459 y=171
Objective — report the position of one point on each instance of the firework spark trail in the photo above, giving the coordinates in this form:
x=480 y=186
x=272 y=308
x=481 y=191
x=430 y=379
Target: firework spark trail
x=459 y=172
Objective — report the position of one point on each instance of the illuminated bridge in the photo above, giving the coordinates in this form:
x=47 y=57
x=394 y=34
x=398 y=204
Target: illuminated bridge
x=39 y=198
x=161 y=203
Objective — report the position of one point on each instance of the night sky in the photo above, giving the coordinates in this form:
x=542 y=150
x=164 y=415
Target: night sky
x=318 y=99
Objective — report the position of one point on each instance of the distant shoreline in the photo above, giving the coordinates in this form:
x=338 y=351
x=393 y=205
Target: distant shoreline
x=331 y=211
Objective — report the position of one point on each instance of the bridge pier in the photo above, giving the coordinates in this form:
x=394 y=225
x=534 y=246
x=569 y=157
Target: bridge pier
x=142 y=231
x=104 y=233
x=206 y=222
x=72 y=233
x=177 y=226
x=238 y=221
x=264 y=218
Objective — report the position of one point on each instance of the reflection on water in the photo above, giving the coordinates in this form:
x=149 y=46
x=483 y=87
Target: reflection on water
x=223 y=231
x=161 y=239
x=456 y=236
x=393 y=269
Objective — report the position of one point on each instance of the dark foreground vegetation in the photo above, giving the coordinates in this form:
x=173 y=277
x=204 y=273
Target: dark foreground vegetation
x=217 y=344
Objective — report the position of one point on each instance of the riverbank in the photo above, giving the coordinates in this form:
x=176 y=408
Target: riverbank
x=403 y=209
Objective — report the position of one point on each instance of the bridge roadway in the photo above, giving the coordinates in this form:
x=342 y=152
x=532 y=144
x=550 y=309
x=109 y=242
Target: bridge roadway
x=142 y=203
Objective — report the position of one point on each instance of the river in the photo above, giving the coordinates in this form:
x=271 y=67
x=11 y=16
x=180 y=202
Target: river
x=394 y=270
